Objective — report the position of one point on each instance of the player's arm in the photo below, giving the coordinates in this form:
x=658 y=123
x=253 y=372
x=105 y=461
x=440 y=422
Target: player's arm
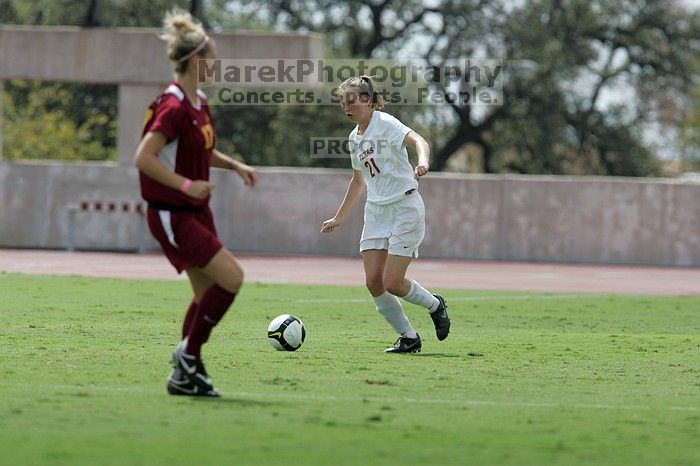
x=352 y=194
x=248 y=173
x=147 y=161
x=422 y=148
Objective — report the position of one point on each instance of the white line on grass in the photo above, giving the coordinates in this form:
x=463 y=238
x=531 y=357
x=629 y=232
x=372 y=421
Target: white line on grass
x=344 y=399
x=463 y=298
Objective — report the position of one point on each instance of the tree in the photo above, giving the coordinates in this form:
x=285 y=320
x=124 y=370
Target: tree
x=553 y=118
x=643 y=45
x=690 y=128
x=67 y=121
x=53 y=121
x=7 y=12
x=565 y=60
x=92 y=18
x=197 y=11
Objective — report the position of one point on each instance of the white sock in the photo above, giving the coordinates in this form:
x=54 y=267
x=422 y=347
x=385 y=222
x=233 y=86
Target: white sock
x=421 y=297
x=390 y=307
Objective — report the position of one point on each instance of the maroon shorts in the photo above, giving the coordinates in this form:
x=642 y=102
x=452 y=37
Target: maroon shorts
x=188 y=239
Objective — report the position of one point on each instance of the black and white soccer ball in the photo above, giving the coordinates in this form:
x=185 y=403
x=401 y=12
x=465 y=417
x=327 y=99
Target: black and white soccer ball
x=286 y=333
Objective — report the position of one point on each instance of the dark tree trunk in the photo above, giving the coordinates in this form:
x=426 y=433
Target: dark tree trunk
x=92 y=18
x=197 y=11
x=461 y=137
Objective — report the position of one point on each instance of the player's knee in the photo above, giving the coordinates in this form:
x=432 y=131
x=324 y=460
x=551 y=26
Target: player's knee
x=237 y=278
x=375 y=285
x=233 y=280
x=393 y=289
x=395 y=286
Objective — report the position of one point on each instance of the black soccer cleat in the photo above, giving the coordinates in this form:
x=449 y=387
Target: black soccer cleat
x=178 y=384
x=406 y=345
x=192 y=368
x=440 y=319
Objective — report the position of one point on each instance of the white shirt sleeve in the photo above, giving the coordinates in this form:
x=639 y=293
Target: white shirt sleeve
x=396 y=131
x=355 y=162
x=353 y=154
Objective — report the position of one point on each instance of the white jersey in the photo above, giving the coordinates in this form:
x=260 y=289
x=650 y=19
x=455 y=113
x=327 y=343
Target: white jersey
x=381 y=156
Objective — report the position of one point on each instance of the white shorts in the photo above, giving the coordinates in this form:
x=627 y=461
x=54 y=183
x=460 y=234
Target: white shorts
x=398 y=227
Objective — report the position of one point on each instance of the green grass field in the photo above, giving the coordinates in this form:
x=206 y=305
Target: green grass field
x=523 y=379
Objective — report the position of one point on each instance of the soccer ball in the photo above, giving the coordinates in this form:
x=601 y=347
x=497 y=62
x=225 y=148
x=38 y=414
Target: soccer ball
x=286 y=333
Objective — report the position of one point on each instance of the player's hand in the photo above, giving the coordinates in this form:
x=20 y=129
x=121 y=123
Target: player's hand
x=329 y=225
x=200 y=189
x=421 y=170
x=248 y=173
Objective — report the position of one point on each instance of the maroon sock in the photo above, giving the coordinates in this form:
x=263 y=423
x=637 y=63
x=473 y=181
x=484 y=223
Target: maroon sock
x=189 y=318
x=212 y=307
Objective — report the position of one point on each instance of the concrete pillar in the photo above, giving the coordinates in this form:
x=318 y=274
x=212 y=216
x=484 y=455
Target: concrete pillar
x=134 y=99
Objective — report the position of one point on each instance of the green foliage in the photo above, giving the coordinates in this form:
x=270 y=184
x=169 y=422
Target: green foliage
x=78 y=122
x=59 y=121
x=112 y=13
x=286 y=132
x=522 y=380
x=690 y=126
x=67 y=121
x=564 y=59
x=555 y=117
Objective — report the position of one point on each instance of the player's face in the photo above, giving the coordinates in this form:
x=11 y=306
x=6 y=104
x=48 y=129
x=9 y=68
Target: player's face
x=354 y=107
x=206 y=61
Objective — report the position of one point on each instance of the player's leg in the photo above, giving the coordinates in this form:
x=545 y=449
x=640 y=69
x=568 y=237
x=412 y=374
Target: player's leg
x=160 y=223
x=373 y=246
x=199 y=281
x=224 y=276
x=373 y=261
x=386 y=303
x=200 y=284
x=410 y=290
x=178 y=383
x=413 y=292
x=395 y=273
x=408 y=232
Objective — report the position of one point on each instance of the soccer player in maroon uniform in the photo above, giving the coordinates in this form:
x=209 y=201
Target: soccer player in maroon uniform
x=174 y=157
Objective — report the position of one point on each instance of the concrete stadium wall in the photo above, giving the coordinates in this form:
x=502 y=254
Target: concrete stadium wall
x=560 y=219
x=132 y=58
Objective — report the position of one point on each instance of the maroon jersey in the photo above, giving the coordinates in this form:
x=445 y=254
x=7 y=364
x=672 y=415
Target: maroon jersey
x=190 y=141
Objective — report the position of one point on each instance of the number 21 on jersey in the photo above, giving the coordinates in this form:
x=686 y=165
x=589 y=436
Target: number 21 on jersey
x=373 y=168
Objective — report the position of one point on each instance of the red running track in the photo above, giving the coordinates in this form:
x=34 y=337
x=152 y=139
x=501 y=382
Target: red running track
x=454 y=274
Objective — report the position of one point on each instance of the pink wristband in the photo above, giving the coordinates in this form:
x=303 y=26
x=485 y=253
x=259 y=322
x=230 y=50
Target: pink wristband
x=186 y=185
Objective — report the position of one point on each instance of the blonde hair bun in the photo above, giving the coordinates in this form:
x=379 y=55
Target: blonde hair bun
x=182 y=34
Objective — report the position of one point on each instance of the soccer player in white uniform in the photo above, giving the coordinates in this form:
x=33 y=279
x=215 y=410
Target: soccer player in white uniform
x=394 y=212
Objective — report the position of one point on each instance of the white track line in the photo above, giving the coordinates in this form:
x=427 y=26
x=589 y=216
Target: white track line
x=344 y=399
